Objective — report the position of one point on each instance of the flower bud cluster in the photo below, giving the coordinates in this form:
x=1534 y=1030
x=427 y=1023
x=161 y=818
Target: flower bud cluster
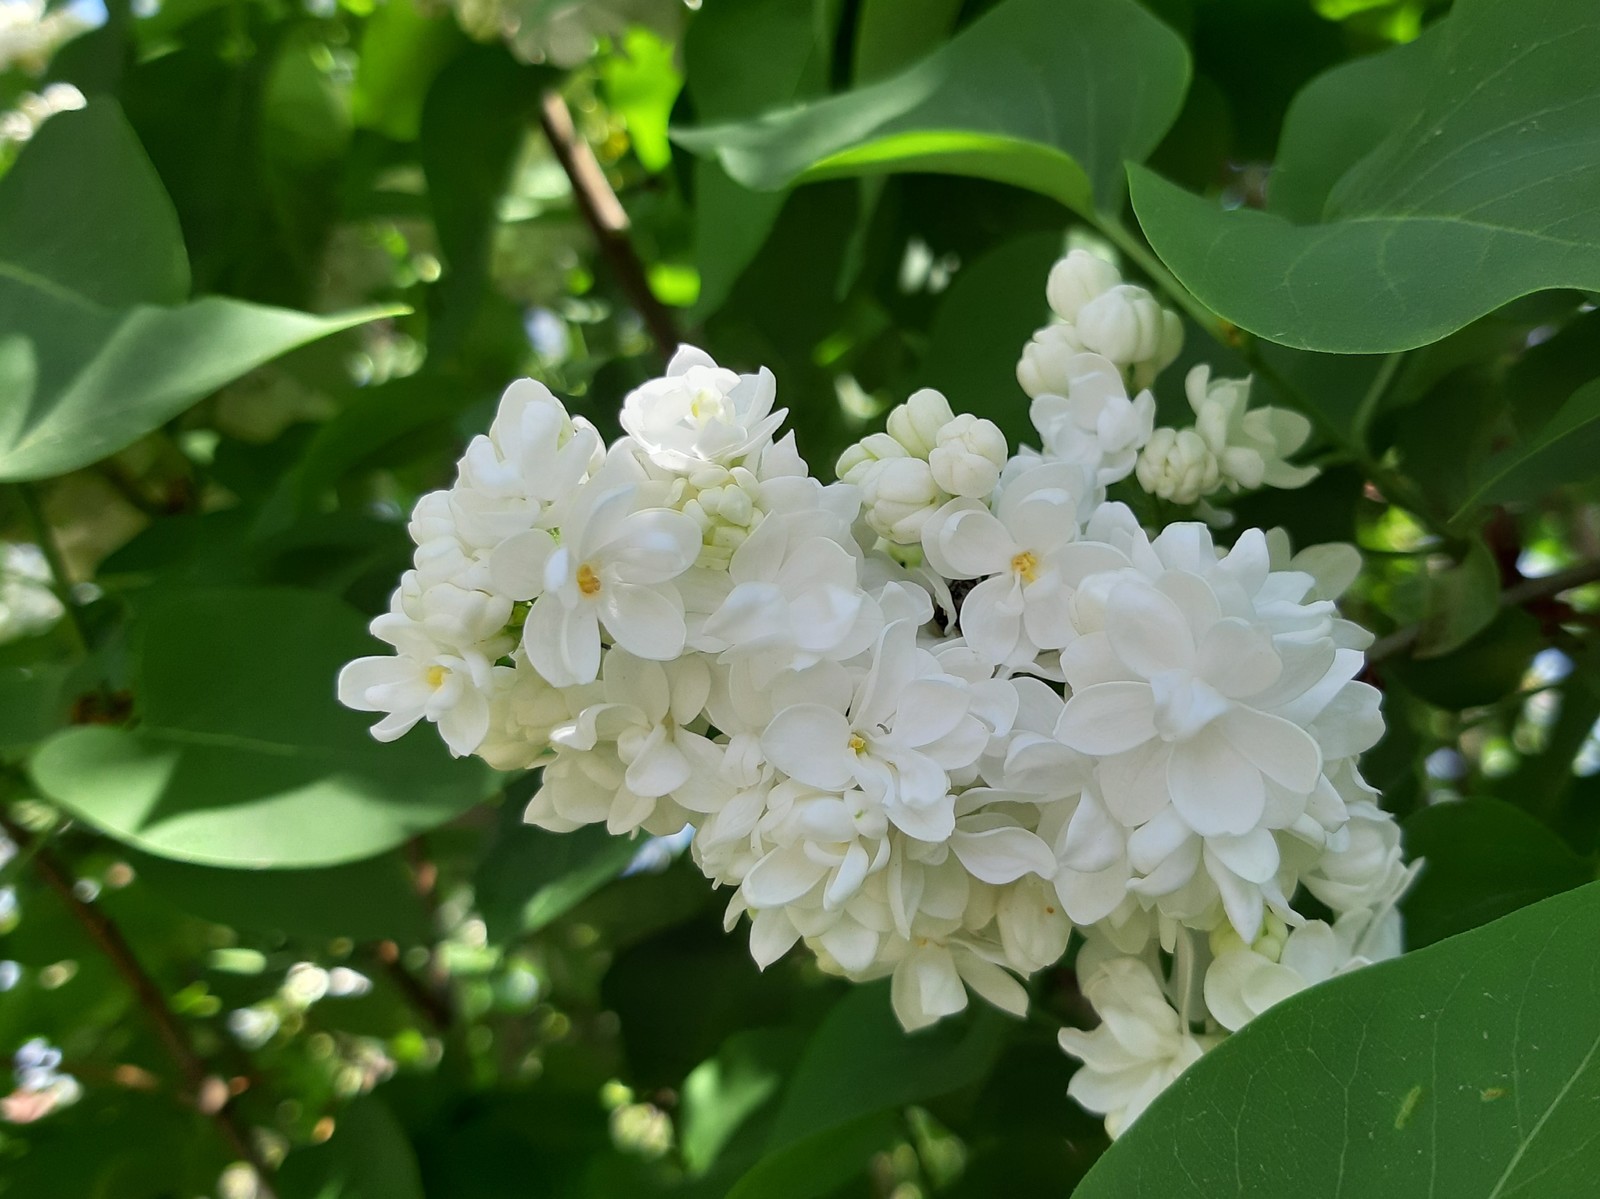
x=1097 y=313
x=927 y=457
x=929 y=719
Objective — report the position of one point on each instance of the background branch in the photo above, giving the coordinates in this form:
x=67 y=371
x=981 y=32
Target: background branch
x=1518 y=595
x=109 y=940
x=604 y=214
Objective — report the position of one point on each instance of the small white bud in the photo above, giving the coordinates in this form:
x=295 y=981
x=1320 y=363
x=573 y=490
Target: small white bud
x=916 y=423
x=1033 y=928
x=898 y=495
x=968 y=456
x=1125 y=324
x=1178 y=466
x=859 y=458
x=1043 y=367
x=1077 y=279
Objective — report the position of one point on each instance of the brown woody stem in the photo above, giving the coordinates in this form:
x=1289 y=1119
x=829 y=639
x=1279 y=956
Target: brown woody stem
x=607 y=220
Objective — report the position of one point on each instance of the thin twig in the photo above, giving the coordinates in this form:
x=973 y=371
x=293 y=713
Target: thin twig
x=109 y=940
x=60 y=580
x=604 y=214
x=1517 y=595
x=434 y=1004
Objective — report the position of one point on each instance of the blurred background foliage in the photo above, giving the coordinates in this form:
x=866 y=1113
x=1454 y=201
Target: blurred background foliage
x=297 y=250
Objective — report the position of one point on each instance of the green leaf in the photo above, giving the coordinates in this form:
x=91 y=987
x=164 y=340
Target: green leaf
x=402 y=49
x=242 y=755
x=793 y=39
x=93 y=358
x=1459 y=602
x=722 y=1094
x=368 y=1157
x=860 y=1061
x=1485 y=668
x=473 y=123
x=374 y=900
x=890 y=34
x=1412 y=228
x=819 y=1164
x=415 y=411
x=1470 y=1069
x=532 y=877
x=642 y=82
x=83 y=383
x=1564 y=451
x=1043 y=94
x=33 y=703
x=1484 y=859
x=84 y=218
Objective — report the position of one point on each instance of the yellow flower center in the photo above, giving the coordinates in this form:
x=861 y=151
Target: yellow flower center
x=588 y=581
x=1026 y=565
x=857 y=742
x=436 y=676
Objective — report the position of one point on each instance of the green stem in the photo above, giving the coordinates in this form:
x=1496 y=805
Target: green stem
x=60 y=580
x=1368 y=408
x=1125 y=240
x=25 y=853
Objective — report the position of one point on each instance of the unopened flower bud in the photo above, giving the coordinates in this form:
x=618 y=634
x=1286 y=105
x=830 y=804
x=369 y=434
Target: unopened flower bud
x=968 y=457
x=859 y=458
x=898 y=495
x=916 y=423
x=1077 y=279
x=1043 y=367
x=1178 y=466
x=1128 y=325
x=1033 y=928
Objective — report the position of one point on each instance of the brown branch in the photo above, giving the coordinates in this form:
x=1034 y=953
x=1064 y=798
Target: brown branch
x=603 y=213
x=434 y=1003
x=1518 y=595
x=108 y=938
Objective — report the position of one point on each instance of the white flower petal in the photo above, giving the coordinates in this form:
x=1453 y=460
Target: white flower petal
x=1003 y=855
x=1108 y=718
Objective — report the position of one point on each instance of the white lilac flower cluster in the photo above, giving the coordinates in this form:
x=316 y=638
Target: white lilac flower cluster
x=932 y=717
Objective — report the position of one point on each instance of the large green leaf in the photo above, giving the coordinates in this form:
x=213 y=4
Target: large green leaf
x=82 y=383
x=93 y=352
x=473 y=123
x=794 y=41
x=1051 y=95
x=1564 y=451
x=368 y=1157
x=859 y=1065
x=242 y=755
x=1434 y=183
x=1469 y=1069
x=1482 y=859
x=373 y=900
x=992 y=307
x=532 y=877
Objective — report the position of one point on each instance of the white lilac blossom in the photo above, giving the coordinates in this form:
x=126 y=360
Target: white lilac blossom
x=1139 y=1049
x=934 y=720
x=31 y=33
x=1231 y=445
x=1092 y=421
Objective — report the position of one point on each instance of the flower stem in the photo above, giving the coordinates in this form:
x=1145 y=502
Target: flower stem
x=60 y=580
